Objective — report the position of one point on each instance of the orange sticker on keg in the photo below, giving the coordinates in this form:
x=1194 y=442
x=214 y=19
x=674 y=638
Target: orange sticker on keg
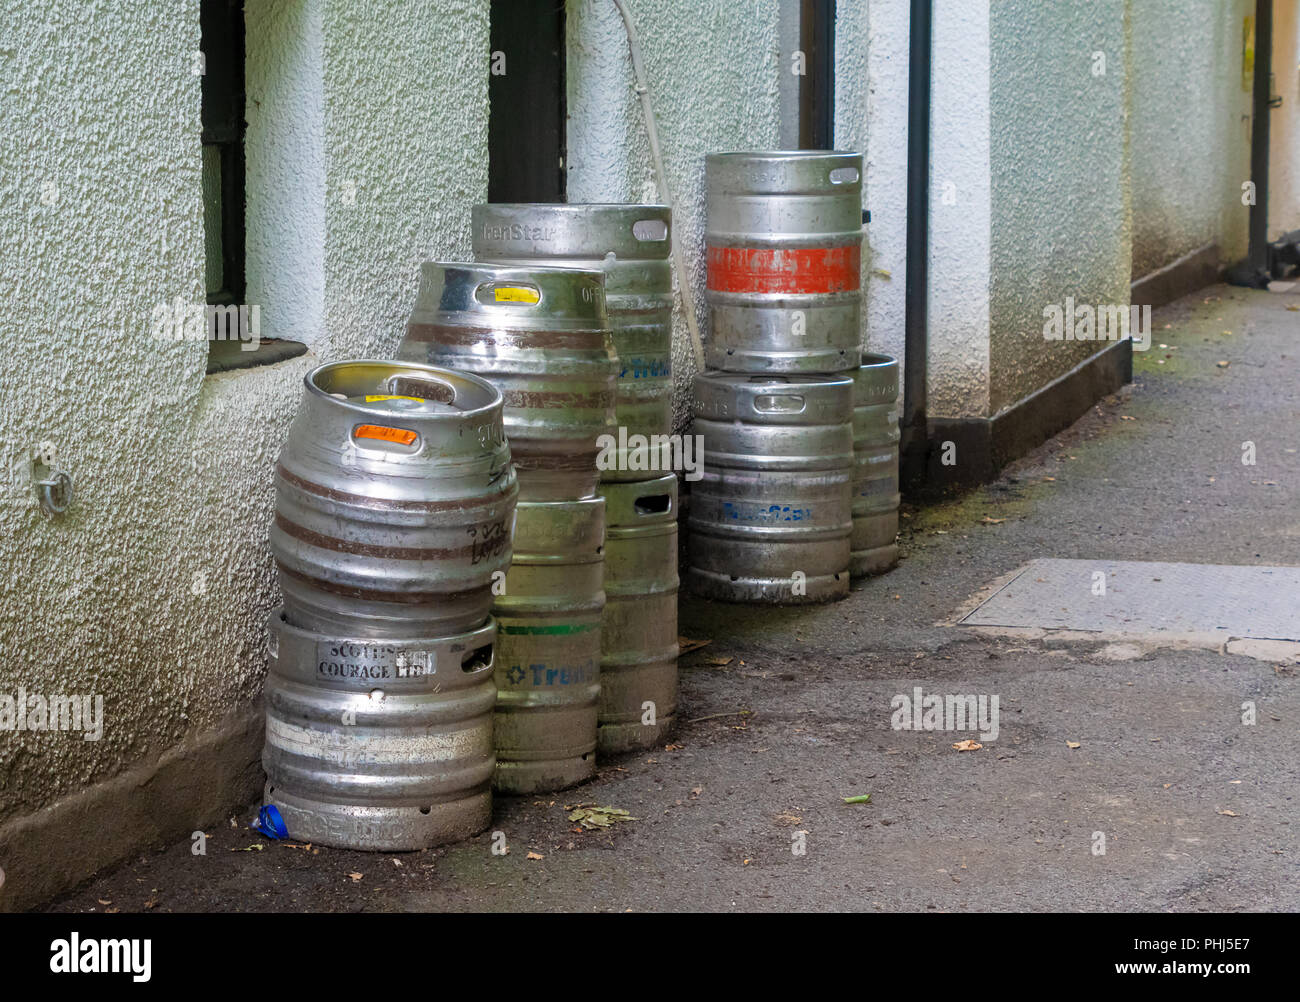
x=401 y=436
x=514 y=294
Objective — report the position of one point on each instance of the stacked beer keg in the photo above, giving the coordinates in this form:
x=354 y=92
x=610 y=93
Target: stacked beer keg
x=630 y=245
x=773 y=518
x=541 y=335
x=395 y=503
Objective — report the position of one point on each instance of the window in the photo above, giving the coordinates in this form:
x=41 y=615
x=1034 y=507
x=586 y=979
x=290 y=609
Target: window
x=234 y=340
x=222 y=23
x=817 y=86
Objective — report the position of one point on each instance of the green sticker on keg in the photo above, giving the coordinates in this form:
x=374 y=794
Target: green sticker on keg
x=561 y=629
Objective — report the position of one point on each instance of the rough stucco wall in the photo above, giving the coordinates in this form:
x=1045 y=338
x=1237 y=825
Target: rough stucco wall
x=960 y=206
x=884 y=190
x=285 y=169
x=1061 y=220
x=1190 y=145
x=406 y=110
x=852 y=84
x=172 y=469
x=852 y=79
x=1284 y=122
x=168 y=467
x=712 y=71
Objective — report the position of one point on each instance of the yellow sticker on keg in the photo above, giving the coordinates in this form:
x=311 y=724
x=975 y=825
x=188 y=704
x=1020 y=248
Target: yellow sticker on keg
x=385 y=396
x=514 y=294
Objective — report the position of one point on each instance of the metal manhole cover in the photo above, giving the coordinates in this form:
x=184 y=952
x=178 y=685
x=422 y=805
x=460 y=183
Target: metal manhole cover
x=1133 y=598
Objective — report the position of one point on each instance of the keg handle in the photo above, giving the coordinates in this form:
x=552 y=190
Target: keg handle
x=779 y=403
x=421 y=386
x=650 y=230
x=844 y=175
x=653 y=504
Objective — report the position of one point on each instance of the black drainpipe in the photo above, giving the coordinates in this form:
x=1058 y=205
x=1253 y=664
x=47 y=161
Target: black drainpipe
x=1254 y=271
x=914 y=445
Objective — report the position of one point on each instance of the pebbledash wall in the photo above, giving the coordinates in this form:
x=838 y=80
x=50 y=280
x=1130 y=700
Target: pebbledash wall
x=1284 y=129
x=1190 y=132
x=153 y=589
x=713 y=76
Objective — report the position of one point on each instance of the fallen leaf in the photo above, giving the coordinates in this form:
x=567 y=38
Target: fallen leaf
x=1223 y=364
x=672 y=747
x=590 y=816
x=1072 y=744
x=252 y=848
x=718 y=662
x=696 y=791
x=103 y=902
x=992 y=521
x=534 y=855
x=356 y=876
x=1231 y=814
x=784 y=818
x=1127 y=417
x=1049 y=478
x=968 y=745
x=864 y=798
x=685 y=644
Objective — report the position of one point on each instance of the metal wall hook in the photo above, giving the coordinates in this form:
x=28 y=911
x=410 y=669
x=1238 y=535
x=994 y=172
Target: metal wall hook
x=55 y=491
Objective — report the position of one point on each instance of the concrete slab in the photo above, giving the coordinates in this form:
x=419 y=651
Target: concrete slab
x=1210 y=603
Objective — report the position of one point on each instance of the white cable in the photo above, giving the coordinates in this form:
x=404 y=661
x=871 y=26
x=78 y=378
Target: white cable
x=665 y=196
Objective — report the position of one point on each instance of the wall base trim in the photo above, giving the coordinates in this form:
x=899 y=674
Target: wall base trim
x=1194 y=270
x=191 y=786
x=982 y=446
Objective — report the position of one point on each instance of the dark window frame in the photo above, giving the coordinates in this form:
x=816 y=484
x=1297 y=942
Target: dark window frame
x=527 y=105
x=817 y=85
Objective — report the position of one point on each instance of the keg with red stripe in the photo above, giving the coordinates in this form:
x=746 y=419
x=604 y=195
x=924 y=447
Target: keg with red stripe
x=784 y=256
x=394 y=502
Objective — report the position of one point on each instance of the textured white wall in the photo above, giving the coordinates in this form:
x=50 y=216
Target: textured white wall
x=172 y=468
x=406 y=113
x=1284 y=122
x=712 y=72
x=1190 y=142
x=1061 y=220
x=885 y=183
x=285 y=170
x=960 y=212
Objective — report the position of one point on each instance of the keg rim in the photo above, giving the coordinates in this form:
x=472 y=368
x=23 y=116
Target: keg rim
x=567 y=206
x=780 y=154
x=790 y=379
x=519 y=271
x=876 y=360
x=496 y=401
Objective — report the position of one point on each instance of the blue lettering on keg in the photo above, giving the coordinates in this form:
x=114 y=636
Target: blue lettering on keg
x=741 y=512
